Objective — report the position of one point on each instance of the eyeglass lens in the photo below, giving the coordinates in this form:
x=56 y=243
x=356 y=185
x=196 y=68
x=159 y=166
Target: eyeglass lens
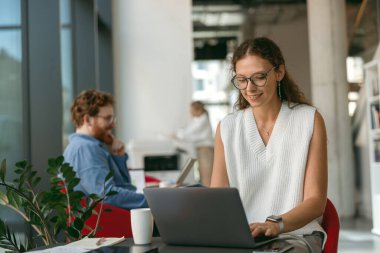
x=260 y=79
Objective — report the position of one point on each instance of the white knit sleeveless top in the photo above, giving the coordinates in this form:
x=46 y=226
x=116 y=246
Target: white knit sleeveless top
x=270 y=178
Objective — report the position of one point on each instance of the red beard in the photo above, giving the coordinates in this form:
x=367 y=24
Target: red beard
x=103 y=134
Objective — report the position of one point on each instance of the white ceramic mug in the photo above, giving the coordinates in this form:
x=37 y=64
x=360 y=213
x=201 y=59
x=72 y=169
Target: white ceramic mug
x=142 y=225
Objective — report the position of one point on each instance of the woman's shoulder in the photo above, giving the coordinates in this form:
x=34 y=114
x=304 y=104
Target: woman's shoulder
x=232 y=117
x=302 y=108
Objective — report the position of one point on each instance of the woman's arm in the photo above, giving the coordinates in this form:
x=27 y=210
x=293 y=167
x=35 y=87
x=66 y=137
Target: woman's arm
x=315 y=187
x=219 y=176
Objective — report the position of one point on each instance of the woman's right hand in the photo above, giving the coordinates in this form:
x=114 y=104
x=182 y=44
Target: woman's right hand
x=267 y=228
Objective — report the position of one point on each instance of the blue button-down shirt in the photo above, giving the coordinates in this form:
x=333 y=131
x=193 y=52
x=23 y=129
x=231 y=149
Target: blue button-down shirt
x=92 y=162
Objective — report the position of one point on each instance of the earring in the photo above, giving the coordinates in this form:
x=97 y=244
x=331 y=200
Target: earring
x=279 y=89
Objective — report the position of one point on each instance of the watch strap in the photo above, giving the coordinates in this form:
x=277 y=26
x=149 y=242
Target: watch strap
x=278 y=220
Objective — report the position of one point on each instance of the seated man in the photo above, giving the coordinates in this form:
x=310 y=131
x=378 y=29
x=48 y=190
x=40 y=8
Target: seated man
x=93 y=151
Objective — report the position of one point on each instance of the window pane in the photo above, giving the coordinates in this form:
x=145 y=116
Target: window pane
x=211 y=85
x=10 y=12
x=11 y=138
x=10 y=44
x=67 y=81
x=64 y=12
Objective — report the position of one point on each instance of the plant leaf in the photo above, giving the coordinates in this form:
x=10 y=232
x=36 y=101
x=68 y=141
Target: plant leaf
x=54 y=219
x=73 y=232
x=86 y=215
x=69 y=175
x=3 y=170
x=34 y=218
x=78 y=224
x=111 y=193
x=58 y=228
x=47 y=211
x=59 y=160
x=109 y=175
x=8 y=240
x=3 y=198
x=19 y=171
x=74 y=182
x=52 y=170
x=21 y=164
x=36 y=181
x=33 y=173
x=14 y=199
x=52 y=163
x=87 y=227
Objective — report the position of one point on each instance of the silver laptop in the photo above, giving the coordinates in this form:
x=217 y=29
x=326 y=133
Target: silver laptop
x=200 y=217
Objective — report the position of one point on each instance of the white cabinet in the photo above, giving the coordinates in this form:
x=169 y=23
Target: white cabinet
x=372 y=86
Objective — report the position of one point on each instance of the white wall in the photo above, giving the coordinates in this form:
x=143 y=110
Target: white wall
x=291 y=35
x=328 y=52
x=153 y=48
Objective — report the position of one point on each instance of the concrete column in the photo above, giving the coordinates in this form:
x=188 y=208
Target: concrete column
x=152 y=43
x=328 y=51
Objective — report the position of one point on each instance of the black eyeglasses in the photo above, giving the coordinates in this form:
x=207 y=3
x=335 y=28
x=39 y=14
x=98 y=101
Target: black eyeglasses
x=259 y=79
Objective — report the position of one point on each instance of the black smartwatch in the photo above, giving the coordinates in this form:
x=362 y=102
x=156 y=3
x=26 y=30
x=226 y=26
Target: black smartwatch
x=278 y=220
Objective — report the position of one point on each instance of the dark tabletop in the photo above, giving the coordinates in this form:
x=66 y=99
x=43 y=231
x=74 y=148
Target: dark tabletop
x=157 y=246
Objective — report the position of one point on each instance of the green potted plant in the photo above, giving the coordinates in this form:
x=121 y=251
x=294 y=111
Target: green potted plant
x=61 y=210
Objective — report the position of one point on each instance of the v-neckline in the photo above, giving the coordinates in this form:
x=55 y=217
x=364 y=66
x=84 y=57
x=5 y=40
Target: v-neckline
x=256 y=141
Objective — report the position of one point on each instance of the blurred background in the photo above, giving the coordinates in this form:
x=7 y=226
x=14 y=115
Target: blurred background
x=156 y=56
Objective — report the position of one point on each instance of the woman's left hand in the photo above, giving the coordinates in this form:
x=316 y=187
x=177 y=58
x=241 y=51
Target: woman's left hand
x=264 y=229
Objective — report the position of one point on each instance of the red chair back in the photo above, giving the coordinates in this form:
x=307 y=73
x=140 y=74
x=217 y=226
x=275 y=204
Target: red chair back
x=116 y=223
x=331 y=225
x=112 y=224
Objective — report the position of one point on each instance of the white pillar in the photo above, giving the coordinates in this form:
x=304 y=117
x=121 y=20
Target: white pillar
x=328 y=51
x=152 y=43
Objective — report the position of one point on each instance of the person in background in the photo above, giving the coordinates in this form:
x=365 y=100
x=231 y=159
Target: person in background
x=273 y=148
x=200 y=137
x=93 y=151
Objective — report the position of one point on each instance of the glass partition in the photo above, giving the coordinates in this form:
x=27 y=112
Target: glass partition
x=11 y=104
x=66 y=67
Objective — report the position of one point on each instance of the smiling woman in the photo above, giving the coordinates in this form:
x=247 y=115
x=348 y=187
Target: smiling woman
x=273 y=148
x=287 y=89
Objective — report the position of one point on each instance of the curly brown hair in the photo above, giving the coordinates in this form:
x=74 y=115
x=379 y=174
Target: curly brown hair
x=89 y=102
x=268 y=50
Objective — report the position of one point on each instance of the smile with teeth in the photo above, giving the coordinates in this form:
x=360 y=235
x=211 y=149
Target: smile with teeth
x=254 y=96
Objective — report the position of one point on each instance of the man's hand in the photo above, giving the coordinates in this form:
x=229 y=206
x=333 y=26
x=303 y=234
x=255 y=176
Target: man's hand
x=117 y=147
x=268 y=229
